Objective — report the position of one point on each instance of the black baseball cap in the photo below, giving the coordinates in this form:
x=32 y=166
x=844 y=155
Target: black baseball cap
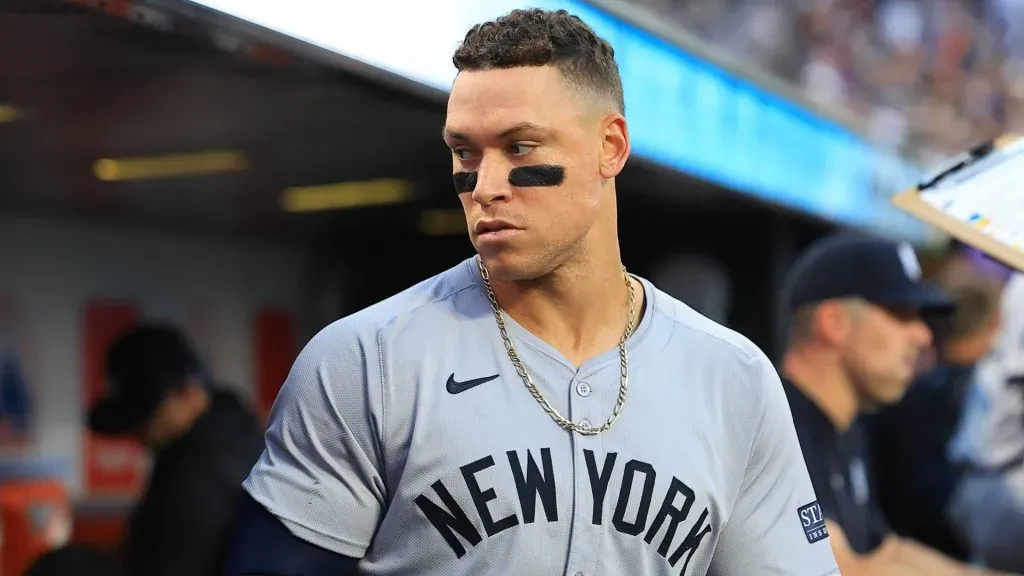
x=878 y=270
x=142 y=365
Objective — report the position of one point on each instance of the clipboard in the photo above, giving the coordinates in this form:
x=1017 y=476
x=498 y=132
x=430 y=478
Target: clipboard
x=977 y=198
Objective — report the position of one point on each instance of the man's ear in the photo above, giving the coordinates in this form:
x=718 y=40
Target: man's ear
x=615 y=146
x=832 y=320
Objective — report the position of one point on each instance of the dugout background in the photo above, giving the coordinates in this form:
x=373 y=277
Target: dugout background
x=123 y=79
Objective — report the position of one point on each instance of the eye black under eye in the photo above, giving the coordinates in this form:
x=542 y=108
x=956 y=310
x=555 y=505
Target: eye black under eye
x=464 y=181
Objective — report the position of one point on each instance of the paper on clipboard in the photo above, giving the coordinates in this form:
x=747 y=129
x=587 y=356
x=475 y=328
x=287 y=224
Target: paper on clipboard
x=979 y=200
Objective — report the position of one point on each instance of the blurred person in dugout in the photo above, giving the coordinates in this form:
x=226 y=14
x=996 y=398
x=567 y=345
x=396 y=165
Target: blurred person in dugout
x=858 y=307
x=204 y=442
x=915 y=477
x=988 y=505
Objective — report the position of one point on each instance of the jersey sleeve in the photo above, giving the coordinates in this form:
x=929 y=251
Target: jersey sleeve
x=776 y=525
x=320 y=473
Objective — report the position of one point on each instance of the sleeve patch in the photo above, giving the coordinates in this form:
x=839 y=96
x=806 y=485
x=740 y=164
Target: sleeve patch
x=813 y=522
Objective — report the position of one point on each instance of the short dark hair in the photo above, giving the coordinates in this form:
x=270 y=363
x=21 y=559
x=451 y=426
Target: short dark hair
x=540 y=38
x=977 y=302
x=801 y=320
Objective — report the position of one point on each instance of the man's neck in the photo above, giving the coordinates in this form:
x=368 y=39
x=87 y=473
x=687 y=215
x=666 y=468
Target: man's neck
x=819 y=375
x=580 y=309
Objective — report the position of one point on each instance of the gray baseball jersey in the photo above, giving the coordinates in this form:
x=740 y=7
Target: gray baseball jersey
x=404 y=436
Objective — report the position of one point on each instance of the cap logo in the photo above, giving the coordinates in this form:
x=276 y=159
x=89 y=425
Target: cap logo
x=911 y=267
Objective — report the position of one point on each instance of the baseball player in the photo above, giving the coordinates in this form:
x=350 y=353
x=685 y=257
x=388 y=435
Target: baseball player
x=535 y=410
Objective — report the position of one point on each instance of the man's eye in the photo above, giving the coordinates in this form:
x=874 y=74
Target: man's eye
x=520 y=149
x=462 y=154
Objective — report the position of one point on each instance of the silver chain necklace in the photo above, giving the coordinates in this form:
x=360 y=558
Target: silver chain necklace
x=562 y=421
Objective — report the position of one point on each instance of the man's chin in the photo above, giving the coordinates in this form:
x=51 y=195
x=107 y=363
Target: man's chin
x=890 y=397
x=507 y=266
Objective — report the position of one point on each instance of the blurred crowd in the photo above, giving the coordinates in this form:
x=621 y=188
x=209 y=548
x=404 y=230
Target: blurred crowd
x=927 y=78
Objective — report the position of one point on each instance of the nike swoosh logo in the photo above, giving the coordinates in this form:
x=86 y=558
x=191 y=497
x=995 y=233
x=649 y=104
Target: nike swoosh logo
x=455 y=387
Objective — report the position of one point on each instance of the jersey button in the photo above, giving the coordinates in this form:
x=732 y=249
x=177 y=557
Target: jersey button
x=585 y=423
x=583 y=389
x=578 y=574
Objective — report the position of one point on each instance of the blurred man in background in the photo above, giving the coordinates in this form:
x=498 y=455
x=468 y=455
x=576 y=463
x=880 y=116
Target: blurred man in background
x=204 y=442
x=988 y=506
x=858 y=306
x=910 y=441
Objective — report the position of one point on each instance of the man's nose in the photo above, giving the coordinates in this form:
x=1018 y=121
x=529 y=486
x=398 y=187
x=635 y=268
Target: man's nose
x=492 y=182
